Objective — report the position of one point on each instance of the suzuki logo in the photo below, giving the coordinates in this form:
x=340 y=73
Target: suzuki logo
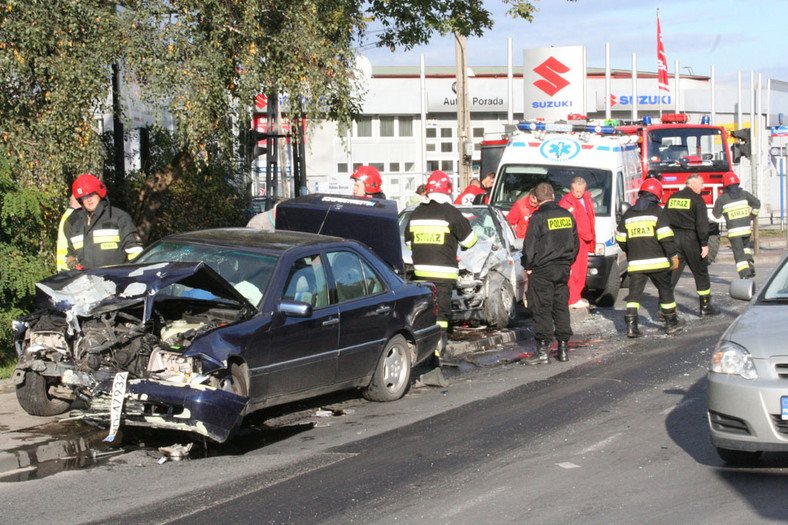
x=612 y=100
x=551 y=82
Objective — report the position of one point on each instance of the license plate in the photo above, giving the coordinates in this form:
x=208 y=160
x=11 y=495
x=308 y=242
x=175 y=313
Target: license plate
x=784 y=405
x=116 y=406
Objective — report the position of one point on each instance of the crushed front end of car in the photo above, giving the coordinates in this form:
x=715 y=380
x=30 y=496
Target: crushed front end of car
x=137 y=322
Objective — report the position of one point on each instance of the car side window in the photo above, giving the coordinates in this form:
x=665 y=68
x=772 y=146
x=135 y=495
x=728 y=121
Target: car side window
x=373 y=281
x=306 y=282
x=348 y=274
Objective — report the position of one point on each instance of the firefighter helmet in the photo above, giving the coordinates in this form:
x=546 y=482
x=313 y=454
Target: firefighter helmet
x=439 y=182
x=730 y=178
x=370 y=177
x=653 y=186
x=87 y=184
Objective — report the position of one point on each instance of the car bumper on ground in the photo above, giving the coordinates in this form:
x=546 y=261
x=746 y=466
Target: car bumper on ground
x=747 y=414
x=158 y=404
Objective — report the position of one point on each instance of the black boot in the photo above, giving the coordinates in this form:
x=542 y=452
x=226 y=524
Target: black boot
x=542 y=354
x=563 y=351
x=632 y=326
x=673 y=323
x=706 y=308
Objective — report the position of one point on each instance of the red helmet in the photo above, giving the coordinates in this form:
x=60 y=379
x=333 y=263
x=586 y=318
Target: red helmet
x=87 y=184
x=653 y=186
x=730 y=178
x=439 y=182
x=370 y=177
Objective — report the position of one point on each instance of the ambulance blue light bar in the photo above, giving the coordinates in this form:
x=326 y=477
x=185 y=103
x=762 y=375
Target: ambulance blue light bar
x=559 y=127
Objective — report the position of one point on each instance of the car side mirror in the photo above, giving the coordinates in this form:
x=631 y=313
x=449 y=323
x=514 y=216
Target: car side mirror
x=622 y=209
x=294 y=309
x=742 y=289
x=735 y=153
x=518 y=244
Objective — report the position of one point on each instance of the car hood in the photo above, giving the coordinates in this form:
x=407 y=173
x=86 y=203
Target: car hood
x=371 y=221
x=90 y=292
x=761 y=330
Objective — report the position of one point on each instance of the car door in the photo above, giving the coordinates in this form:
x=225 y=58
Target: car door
x=365 y=307
x=304 y=350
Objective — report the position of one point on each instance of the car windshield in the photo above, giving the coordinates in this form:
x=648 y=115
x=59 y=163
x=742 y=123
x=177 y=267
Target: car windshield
x=667 y=147
x=481 y=220
x=518 y=179
x=248 y=273
x=777 y=290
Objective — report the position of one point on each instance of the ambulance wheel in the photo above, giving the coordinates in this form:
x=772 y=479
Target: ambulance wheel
x=612 y=285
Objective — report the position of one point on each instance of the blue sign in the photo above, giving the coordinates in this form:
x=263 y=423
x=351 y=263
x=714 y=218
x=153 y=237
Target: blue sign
x=779 y=130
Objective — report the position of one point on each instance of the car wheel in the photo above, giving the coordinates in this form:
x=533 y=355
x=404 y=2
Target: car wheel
x=738 y=457
x=612 y=285
x=499 y=303
x=235 y=380
x=392 y=375
x=34 y=398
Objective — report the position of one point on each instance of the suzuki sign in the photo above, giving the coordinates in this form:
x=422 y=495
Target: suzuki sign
x=554 y=82
x=623 y=101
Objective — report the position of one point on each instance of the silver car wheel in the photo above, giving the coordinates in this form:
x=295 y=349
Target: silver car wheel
x=395 y=368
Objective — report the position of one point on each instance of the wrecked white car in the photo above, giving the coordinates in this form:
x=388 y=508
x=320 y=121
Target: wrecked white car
x=491 y=279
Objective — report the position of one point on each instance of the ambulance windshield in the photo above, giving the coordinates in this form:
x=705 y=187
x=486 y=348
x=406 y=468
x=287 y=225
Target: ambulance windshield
x=516 y=180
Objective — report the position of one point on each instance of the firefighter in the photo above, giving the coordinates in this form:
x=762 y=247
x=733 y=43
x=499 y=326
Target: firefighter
x=367 y=183
x=644 y=234
x=689 y=221
x=740 y=208
x=549 y=249
x=434 y=230
x=98 y=234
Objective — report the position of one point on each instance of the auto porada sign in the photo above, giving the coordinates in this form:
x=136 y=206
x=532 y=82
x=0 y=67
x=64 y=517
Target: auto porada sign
x=554 y=80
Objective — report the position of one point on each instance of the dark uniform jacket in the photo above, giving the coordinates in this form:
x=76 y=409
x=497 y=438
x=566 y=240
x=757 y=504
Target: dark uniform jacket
x=644 y=234
x=739 y=207
x=551 y=237
x=105 y=237
x=433 y=232
x=687 y=211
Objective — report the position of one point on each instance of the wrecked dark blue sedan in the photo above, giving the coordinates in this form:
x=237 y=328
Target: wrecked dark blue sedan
x=208 y=326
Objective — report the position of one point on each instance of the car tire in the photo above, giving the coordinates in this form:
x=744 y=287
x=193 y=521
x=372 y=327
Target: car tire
x=392 y=374
x=738 y=457
x=499 y=305
x=34 y=398
x=609 y=295
x=714 y=248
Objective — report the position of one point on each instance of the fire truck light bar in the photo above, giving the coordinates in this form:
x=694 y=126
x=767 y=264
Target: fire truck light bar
x=578 y=128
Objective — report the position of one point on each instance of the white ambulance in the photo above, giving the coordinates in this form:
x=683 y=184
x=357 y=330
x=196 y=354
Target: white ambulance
x=609 y=162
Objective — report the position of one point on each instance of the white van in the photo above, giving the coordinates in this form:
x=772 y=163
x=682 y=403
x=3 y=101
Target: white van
x=557 y=153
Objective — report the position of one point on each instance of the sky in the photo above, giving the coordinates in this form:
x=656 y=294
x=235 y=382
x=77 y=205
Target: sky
x=744 y=35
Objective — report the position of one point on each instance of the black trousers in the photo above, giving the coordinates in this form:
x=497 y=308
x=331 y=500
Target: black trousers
x=742 y=254
x=548 y=299
x=444 y=288
x=637 y=283
x=689 y=255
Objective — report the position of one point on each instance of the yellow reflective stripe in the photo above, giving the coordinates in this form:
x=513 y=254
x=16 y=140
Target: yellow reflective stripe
x=668 y=306
x=704 y=292
x=134 y=250
x=106 y=238
x=742 y=264
x=621 y=237
x=641 y=218
x=756 y=211
x=429 y=229
x=469 y=241
x=664 y=233
x=740 y=231
x=436 y=275
x=443 y=324
x=659 y=263
x=636 y=306
x=748 y=251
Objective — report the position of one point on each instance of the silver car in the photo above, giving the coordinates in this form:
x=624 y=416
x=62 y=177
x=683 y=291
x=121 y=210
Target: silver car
x=747 y=390
x=491 y=279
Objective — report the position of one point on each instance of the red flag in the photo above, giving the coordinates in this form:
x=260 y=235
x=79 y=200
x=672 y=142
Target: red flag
x=662 y=62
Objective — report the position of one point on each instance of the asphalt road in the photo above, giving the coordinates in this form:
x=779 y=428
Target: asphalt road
x=619 y=435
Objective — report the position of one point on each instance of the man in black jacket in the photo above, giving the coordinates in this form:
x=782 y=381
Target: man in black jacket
x=689 y=221
x=98 y=234
x=549 y=249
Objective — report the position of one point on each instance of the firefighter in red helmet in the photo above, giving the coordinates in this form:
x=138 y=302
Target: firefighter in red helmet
x=433 y=232
x=644 y=234
x=367 y=183
x=98 y=234
x=740 y=208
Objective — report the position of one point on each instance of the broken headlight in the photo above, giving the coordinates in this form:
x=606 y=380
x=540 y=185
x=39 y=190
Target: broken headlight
x=171 y=366
x=46 y=340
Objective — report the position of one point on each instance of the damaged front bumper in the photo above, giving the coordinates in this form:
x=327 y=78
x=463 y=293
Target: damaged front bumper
x=196 y=408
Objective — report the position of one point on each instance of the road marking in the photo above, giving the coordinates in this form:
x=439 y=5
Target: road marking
x=602 y=444
x=567 y=465
x=481 y=498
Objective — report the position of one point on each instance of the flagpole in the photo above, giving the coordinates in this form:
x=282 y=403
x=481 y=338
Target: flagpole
x=659 y=39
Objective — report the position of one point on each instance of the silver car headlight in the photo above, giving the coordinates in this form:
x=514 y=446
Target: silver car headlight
x=730 y=358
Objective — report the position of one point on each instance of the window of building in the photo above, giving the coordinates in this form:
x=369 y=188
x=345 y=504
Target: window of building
x=364 y=127
x=386 y=126
x=430 y=147
x=406 y=126
x=478 y=133
x=394 y=167
x=356 y=165
x=410 y=166
x=432 y=165
x=432 y=133
x=378 y=166
x=446 y=133
x=447 y=166
x=342 y=167
x=446 y=147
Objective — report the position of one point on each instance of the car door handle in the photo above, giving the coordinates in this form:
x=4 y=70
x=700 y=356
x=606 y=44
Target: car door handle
x=382 y=309
x=332 y=321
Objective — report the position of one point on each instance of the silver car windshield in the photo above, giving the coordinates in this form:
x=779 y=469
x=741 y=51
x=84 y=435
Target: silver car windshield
x=778 y=287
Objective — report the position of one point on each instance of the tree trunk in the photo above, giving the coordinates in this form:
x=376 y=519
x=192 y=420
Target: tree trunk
x=153 y=194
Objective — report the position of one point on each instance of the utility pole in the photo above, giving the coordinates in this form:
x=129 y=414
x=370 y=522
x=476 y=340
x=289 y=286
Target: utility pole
x=464 y=142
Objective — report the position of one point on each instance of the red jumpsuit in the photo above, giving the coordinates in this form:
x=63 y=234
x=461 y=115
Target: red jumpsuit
x=519 y=214
x=584 y=215
x=467 y=196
